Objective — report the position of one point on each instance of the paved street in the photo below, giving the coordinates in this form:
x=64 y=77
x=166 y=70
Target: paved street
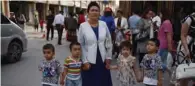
x=25 y=72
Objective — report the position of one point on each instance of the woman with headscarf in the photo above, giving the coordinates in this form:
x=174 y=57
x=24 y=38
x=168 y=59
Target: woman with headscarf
x=109 y=19
x=71 y=26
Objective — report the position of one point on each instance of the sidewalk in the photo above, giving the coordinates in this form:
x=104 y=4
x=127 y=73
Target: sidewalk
x=30 y=32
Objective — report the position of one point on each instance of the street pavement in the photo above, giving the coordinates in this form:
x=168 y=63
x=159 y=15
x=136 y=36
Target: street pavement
x=25 y=72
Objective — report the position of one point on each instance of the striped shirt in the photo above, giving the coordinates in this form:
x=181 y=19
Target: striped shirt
x=74 y=68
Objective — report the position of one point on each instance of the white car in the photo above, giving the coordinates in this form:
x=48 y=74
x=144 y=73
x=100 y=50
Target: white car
x=13 y=40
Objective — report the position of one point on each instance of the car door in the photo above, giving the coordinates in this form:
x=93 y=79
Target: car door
x=6 y=32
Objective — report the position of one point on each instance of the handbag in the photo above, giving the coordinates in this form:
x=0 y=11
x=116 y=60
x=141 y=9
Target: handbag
x=142 y=35
x=184 y=71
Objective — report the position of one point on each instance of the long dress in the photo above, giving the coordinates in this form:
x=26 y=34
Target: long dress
x=98 y=75
x=126 y=74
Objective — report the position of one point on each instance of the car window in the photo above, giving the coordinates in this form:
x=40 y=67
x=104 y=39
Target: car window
x=4 y=20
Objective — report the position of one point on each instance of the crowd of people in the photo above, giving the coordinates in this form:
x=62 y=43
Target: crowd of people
x=99 y=39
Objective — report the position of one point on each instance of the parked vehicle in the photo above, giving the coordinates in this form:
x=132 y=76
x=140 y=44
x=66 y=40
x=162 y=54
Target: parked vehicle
x=13 y=40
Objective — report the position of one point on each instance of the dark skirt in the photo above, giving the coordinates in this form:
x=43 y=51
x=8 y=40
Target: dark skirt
x=71 y=35
x=98 y=75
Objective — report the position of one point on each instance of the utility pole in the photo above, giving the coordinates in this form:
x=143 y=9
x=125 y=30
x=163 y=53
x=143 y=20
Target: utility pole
x=74 y=10
x=80 y=5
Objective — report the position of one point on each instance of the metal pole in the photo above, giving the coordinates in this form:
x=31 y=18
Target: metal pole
x=80 y=5
x=74 y=10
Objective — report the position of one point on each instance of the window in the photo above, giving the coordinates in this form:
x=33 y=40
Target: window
x=4 y=20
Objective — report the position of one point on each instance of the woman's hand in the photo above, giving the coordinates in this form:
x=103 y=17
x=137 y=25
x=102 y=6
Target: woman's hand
x=108 y=61
x=86 y=66
x=159 y=84
x=62 y=83
x=170 y=49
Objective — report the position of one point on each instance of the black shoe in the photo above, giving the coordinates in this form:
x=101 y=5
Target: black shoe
x=51 y=38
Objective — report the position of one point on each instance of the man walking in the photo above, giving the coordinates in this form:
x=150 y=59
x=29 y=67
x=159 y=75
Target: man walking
x=59 y=23
x=133 y=20
x=50 y=19
x=36 y=21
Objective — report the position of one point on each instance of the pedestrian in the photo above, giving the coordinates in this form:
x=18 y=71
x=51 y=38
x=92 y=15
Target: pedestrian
x=81 y=18
x=120 y=21
x=13 y=17
x=109 y=19
x=188 y=30
x=96 y=44
x=75 y=15
x=21 y=20
x=50 y=27
x=72 y=67
x=41 y=24
x=59 y=24
x=142 y=37
x=126 y=66
x=71 y=26
x=121 y=25
x=119 y=37
x=165 y=36
x=156 y=20
x=49 y=67
x=151 y=64
x=36 y=21
x=133 y=20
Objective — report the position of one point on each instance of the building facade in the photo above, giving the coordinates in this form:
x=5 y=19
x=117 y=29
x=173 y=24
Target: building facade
x=28 y=8
x=173 y=6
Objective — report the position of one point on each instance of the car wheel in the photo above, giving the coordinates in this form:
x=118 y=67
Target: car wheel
x=14 y=52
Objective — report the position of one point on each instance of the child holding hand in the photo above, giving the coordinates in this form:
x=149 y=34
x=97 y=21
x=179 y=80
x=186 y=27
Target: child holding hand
x=126 y=66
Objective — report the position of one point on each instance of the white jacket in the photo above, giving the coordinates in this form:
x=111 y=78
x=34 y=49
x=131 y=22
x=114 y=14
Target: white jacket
x=124 y=23
x=88 y=41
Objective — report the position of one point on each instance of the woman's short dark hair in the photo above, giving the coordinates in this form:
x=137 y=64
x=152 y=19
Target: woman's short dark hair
x=165 y=14
x=146 y=12
x=93 y=3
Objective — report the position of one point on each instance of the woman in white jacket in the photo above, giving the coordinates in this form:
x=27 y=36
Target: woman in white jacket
x=96 y=43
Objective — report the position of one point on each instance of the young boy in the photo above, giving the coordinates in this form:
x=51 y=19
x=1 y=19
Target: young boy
x=152 y=65
x=72 y=67
x=49 y=67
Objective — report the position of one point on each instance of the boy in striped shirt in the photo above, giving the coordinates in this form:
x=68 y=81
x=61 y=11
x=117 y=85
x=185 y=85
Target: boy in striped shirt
x=72 y=67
